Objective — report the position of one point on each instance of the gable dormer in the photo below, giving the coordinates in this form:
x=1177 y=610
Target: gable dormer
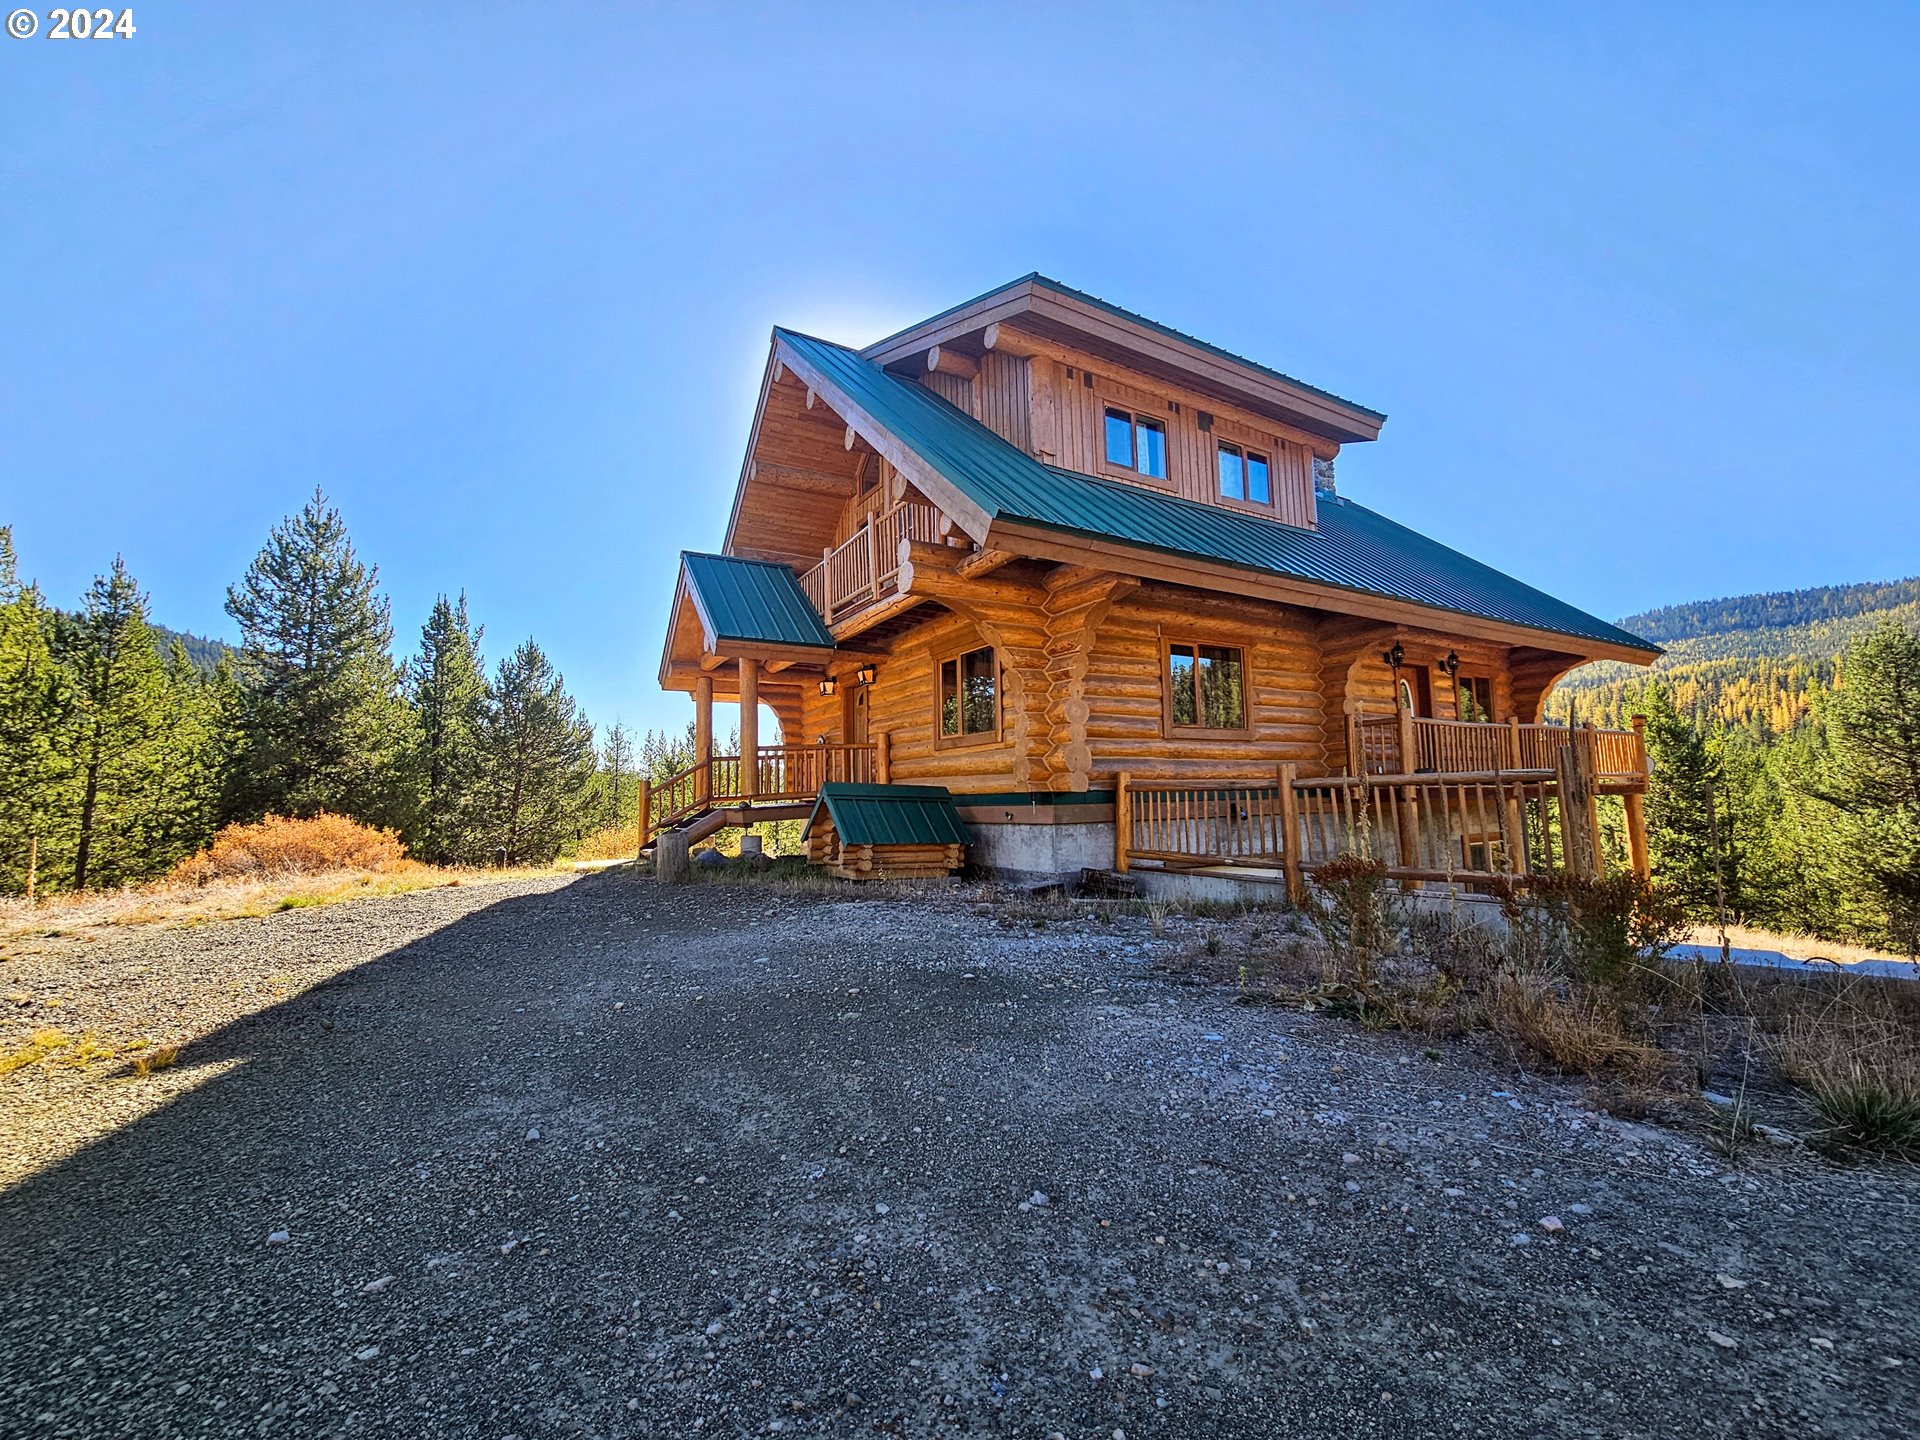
x=1091 y=388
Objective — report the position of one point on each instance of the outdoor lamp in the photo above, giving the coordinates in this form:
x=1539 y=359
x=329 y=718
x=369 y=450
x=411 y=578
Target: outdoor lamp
x=865 y=674
x=1452 y=663
x=1396 y=657
x=829 y=685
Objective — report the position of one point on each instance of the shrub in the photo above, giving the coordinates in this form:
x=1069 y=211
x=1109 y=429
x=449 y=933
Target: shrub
x=1863 y=1072
x=280 y=845
x=1609 y=924
x=1356 y=914
x=1574 y=1028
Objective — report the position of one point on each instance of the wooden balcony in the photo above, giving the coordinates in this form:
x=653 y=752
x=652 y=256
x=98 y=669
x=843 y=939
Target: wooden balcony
x=780 y=775
x=1404 y=744
x=856 y=575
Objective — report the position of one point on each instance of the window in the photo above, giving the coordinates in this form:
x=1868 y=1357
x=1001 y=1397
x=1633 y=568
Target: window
x=1245 y=475
x=969 y=696
x=1475 y=698
x=1136 y=443
x=1206 y=687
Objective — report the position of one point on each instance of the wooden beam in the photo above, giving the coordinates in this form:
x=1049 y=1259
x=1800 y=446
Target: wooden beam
x=945 y=360
x=985 y=562
x=798 y=477
x=853 y=437
x=749 y=728
x=703 y=736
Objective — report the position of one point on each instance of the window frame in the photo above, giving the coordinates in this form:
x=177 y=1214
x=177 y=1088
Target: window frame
x=1171 y=731
x=1247 y=452
x=954 y=657
x=1135 y=414
x=1468 y=682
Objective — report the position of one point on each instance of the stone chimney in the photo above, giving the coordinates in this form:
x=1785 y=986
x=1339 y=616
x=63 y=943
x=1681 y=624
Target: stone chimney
x=1323 y=476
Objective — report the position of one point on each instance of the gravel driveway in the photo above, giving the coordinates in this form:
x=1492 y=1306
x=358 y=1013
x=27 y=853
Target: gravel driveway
x=599 y=1159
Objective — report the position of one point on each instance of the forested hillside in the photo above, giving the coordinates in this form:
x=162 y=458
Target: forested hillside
x=1784 y=731
x=205 y=654
x=1753 y=661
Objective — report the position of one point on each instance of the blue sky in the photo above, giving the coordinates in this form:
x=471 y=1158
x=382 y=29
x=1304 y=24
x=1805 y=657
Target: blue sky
x=1636 y=285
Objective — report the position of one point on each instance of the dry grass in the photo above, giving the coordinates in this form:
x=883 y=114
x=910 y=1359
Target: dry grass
x=1858 y=1057
x=1574 y=1028
x=279 y=845
x=175 y=903
x=38 y=1046
x=158 y=1058
x=1800 y=947
x=615 y=842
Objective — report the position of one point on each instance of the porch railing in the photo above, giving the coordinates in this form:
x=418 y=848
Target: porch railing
x=780 y=773
x=855 y=574
x=1403 y=744
x=1468 y=827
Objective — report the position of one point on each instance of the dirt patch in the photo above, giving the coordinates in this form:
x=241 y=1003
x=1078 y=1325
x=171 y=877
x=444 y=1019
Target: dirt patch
x=603 y=1159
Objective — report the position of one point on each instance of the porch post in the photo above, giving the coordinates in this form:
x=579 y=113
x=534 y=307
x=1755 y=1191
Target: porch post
x=646 y=815
x=883 y=757
x=749 y=727
x=1290 y=833
x=1122 y=824
x=1409 y=759
x=1637 y=806
x=703 y=738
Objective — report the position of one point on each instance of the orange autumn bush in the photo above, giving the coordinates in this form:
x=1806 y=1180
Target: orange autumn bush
x=281 y=845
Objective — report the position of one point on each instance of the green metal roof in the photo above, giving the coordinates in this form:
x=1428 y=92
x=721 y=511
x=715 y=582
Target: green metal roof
x=890 y=815
x=1354 y=548
x=753 y=601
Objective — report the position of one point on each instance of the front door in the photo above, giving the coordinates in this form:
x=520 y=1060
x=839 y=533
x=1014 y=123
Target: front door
x=1416 y=690
x=856 y=716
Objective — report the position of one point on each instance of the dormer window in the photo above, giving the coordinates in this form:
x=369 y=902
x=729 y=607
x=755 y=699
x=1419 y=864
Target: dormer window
x=1136 y=443
x=1245 y=475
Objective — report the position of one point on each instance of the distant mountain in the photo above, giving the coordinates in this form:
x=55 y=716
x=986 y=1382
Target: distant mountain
x=206 y=654
x=1750 y=660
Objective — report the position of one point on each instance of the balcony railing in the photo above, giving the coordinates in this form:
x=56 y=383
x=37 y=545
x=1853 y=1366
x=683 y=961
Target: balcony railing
x=853 y=576
x=1411 y=744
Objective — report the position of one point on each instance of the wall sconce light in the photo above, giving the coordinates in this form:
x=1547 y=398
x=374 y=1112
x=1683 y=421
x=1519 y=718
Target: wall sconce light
x=829 y=685
x=1396 y=657
x=1451 y=664
x=864 y=675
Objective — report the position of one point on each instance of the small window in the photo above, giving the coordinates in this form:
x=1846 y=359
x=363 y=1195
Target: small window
x=969 y=696
x=1245 y=475
x=1136 y=443
x=1475 y=697
x=1206 y=687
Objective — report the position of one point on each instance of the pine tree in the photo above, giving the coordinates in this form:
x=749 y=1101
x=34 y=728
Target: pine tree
x=194 y=743
x=447 y=688
x=323 y=725
x=1688 y=821
x=35 y=713
x=120 y=692
x=1871 y=774
x=616 y=763
x=539 y=757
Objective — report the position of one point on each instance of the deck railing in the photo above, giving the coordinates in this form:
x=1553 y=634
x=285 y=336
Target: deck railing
x=1471 y=827
x=1404 y=744
x=854 y=575
x=784 y=773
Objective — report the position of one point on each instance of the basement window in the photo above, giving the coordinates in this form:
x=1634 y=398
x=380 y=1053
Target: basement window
x=969 y=697
x=1245 y=475
x=1206 y=687
x=1136 y=443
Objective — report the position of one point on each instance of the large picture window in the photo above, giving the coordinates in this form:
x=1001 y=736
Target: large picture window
x=970 y=696
x=1206 y=687
x=1136 y=443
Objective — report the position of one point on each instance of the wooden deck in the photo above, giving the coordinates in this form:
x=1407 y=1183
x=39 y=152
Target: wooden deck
x=857 y=574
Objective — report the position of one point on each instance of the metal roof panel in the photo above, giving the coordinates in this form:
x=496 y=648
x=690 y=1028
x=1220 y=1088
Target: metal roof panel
x=753 y=601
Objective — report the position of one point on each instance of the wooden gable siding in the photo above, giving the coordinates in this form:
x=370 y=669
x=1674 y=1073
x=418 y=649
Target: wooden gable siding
x=1192 y=470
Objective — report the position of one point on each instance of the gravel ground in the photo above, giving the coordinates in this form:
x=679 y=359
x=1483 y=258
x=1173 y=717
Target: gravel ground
x=594 y=1158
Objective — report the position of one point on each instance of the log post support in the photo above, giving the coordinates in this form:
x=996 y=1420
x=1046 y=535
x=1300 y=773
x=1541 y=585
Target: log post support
x=1122 y=824
x=672 y=865
x=1637 y=834
x=1409 y=762
x=1356 y=761
x=646 y=816
x=703 y=739
x=1578 y=831
x=883 y=757
x=1290 y=834
x=749 y=727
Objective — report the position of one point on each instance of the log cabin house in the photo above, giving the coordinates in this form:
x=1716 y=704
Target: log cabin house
x=1093 y=577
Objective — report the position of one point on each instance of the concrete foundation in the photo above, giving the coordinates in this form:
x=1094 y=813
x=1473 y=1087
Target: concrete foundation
x=1031 y=854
